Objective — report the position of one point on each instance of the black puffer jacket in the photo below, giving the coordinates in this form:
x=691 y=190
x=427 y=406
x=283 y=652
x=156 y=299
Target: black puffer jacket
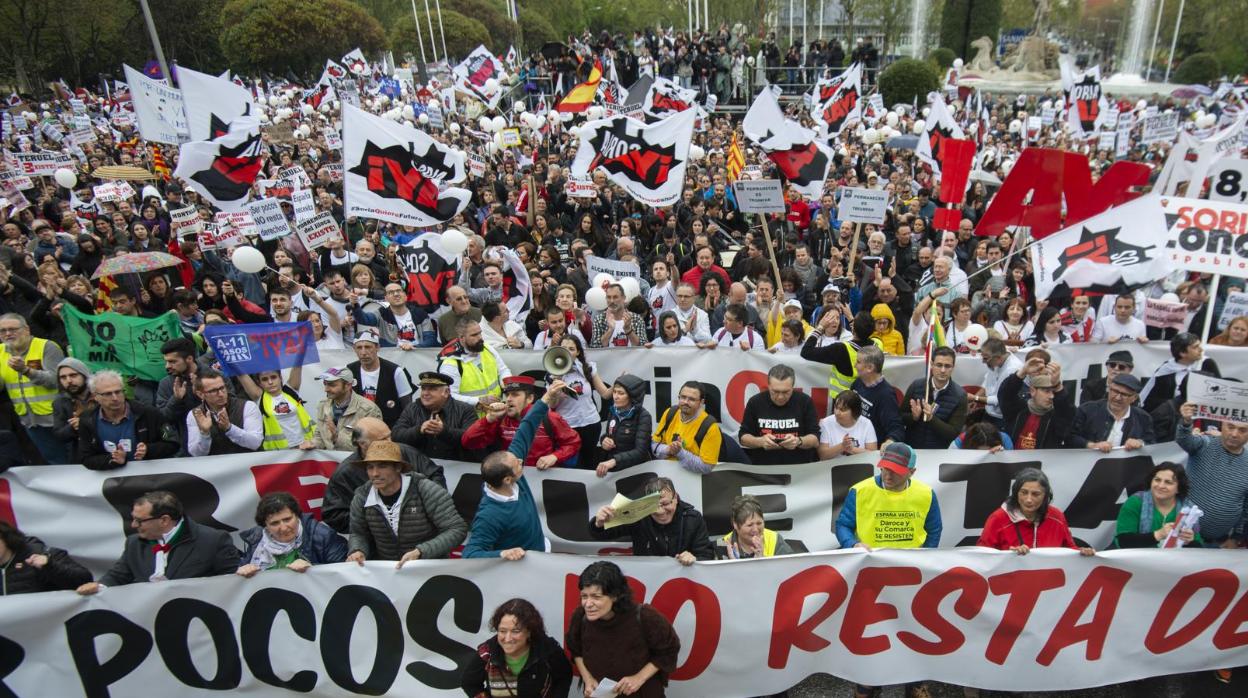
x=62 y=571
x=632 y=433
x=686 y=532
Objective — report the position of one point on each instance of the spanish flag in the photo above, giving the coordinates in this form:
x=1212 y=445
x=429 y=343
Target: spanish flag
x=736 y=159
x=159 y=164
x=580 y=97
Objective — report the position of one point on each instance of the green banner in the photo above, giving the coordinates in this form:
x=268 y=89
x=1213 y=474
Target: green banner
x=127 y=345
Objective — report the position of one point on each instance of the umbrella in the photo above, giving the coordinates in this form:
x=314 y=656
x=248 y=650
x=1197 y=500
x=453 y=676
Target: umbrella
x=903 y=142
x=988 y=178
x=1191 y=91
x=135 y=263
x=553 y=49
x=126 y=172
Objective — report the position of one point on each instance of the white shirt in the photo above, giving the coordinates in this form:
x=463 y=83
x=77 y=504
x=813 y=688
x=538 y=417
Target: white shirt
x=582 y=411
x=992 y=383
x=1108 y=328
x=832 y=433
x=162 y=557
x=542 y=341
x=391 y=514
x=725 y=339
x=368 y=383
x=499 y=341
x=780 y=348
x=661 y=298
x=287 y=418
x=249 y=436
x=701 y=326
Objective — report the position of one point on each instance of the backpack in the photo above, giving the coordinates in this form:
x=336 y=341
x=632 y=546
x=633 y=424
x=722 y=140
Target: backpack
x=729 y=449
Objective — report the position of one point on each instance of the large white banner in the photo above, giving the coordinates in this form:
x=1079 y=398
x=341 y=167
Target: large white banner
x=158 y=108
x=649 y=162
x=802 y=502
x=1048 y=621
x=1207 y=236
x=800 y=157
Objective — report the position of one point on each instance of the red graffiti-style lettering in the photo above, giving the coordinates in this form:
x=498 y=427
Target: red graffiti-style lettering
x=1222 y=583
x=1102 y=587
x=788 y=630
x=1024 y=589
x=926 y=610
x=669 y=599
x=863 y=610
x=1229 y=636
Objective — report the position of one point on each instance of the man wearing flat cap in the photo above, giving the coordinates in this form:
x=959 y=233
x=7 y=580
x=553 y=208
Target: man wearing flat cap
x=1039 y=418
x=1119 y=361
x=399 y=514
x=555 y=443
x=435 y=423
x=340 y=411
x=1116 y=421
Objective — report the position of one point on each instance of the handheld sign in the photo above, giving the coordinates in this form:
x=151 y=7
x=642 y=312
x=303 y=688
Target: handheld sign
x=185 y=222
x=270 y=221
x=318 y=231
x=268 y=346
x=1229 y=181
x=1218 y=399
x=863 y=205
x=759 y=196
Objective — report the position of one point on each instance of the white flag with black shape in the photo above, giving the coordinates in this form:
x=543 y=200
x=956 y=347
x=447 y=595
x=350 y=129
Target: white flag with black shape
x=355 y=62
x=158 y=108
x=212 y=103
x=474 y=73
x=396 y=173
x=648 y=161
x=940 y=127
x=1087 y=107
x=803 y=161
x=844 y=106
x=665 y=98
x=1113 y=252
x=223 y=170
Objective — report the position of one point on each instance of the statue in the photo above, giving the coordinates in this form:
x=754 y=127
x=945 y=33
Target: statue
x=1031 y=55
x=984 y=50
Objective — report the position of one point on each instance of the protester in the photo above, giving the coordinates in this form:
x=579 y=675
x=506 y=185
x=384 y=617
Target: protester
x=520 y=660
x=779 y=425
x=869 y=516
x=116 y=431
x=1218 y=470
x=842 y=356
x=554 y=443
x=27 y=369
x=381 y=381
x=999 y=363
x=74 y=399
x=610 y=636
x=222 y=423
x=750 y=538
x=1107 y=424
x=286 y=422
x=1038 y=415
x=1169 y=381
x=28 y=565
x=435 y=423
x=629 y=427
x=339 y=413
x=846 y=432
x=675 y=529
x=286 y=538
x=688 y=433
x=476 y=370
x=934 y=410
x=1146 y=519
x=167 y=545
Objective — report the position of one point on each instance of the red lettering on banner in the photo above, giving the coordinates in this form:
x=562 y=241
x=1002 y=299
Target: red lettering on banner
x=863 y=610
x=1229 y=636
x=305 y=479
x=734 y=394
x=788 y=630
x=669 y=599
x=1024 y=588
x=1222 y=583
x=6 y=504
x=1104 y=587
x=926 y=610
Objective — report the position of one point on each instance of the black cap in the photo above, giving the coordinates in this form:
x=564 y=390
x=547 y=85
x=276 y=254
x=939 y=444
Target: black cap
x=1122 y=356
x=1129 y=382
x=435 y=379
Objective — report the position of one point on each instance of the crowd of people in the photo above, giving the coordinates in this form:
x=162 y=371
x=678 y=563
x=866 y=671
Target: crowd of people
x=843 y=299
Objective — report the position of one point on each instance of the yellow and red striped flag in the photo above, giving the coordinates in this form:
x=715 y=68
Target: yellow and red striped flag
x=159 y=164
x=580 y=97
x=736 y=159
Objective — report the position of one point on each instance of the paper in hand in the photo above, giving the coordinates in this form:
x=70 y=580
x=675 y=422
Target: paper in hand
x=629 y=511
x=606 y=687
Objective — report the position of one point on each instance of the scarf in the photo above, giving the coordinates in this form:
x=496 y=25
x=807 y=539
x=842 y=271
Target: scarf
x=268 y=550
x=1169 y=368
x=161 y=548
x=1038 y=410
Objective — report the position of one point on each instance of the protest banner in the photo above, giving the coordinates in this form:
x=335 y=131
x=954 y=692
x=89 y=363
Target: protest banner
x=1123 y=145
x=333 y=139
x=1159 y=127
x=476 y=166
x=252 y=348
x=511 y=137
x=270 y=221
x=1159 y=313
x=1207 y=236
x=595 y=265
x=43 y=163
x=185 y=222
x=128 y=345
x=1218 y=399
x=335 y=170
x=281 y=134
x=1227 y=180
x=295 y=174
x=1105 y=140
x=317 y=231
x=304 y=203
x=158 y=108
x=759 y=196
x=276 y=188
x=226 y=235
x=581 y=188
x=1236 y=306
x=15 y=179
x=242 y=222
x=862 y=205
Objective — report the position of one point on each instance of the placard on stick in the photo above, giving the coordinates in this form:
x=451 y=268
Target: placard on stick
x=759 y=196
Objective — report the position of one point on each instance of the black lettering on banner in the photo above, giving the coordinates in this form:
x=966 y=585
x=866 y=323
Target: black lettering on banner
x=81 y=632
x=11 y=656
x=713 y=397
x=720 y=487
x=467 y=495
x=844 y=477
x=662 y=389
x=256 y=629
x=338 y=624
x=422 y=615
x=1097 y=501
x=173 y=623
x=566 y=507
x=198 y=496
x=987 y=485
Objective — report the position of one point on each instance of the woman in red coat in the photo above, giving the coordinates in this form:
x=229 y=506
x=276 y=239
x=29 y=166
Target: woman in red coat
x=1028 y=519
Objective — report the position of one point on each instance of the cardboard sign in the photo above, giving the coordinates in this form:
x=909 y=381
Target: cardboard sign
x=862 y=205
x=207 y=237
x=511 y=137
x=304 y=203
x=333 y=139
x=1160 y=128
x=279 y=133
x=1229 y=180
x=295 y=174
x=1123 y=146
x=335 y=171
x=185 y=222
x=1047 y=116
x=1158 y=313
x=112 y=191
x=10 y=178
x=581 y=188
x=276 y=188
x=227 y=235
x=268 y=218
x=318 y=231
x=436 y=119
x=1218 y=399
x=476 y=166
x=1034 y=126
x=1106 y=140
x=40 y=164
x=759 y=196
x=598 y=265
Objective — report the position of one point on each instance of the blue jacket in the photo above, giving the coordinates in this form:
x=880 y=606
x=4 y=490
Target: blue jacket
x=500 y=526
x=1093 y=423
x=847 y=521
x=321 y=544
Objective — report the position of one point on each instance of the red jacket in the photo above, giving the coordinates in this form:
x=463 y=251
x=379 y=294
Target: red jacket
x=694 y=277
x=799 y=214
x=1003 y=531
x=484 y=434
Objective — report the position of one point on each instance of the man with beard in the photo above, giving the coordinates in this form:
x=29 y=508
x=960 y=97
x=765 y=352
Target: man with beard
x=553 y=442
x=27 y=373
x=381 y=381
x=71 y=375
x=477 y=371
x=222 y=423
x=435 y=423
x=339 y=414
x=347 y=478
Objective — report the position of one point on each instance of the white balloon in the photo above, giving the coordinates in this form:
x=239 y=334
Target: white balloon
x=957 y=63
x=518 y=107
x=926 y=112
x=596 y=299
x=499 y=123
x=65 y=177
x=696 y=153
x=870 y=136
x=1016 y=126
x=552 y=117
x=976 y=335
x=484 y=123
x=305 y=130
x=919 y=126
x=306 y=109
x=423 y=118
x=602 y=279
x=248 y=259
x=491 y=85
x=1169 y=298
x=454 y=241
x=498 y=140
x=632 y=289
x=325 y=107
x=435 y=102
x=595 y=112
x=1141 y=105
x=891 y=119
x=261 y=100
x=1206 y=121
x=454 y=127
x=408 y=112
x=491 y=147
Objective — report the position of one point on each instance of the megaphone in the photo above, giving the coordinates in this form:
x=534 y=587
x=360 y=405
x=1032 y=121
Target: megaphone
x=557 y=361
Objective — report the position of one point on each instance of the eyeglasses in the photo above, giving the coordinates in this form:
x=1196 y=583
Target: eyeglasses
x=1112 y=364
x=137 y=522
x=213 y=391
x=10 y=330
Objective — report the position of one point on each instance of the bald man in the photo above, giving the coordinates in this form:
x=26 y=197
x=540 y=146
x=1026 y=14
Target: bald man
x=336 y=507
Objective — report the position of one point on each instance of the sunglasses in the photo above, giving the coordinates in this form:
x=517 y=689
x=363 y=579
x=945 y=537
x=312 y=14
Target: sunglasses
x=1118 y=366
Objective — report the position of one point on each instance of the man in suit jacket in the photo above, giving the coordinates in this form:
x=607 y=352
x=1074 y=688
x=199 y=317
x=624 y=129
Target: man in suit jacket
x=1102 y=425
x=167 y=545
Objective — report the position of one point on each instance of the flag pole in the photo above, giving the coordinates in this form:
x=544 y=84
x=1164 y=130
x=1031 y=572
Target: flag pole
x=853 y=253
x=771 y=252
x=1213 y=294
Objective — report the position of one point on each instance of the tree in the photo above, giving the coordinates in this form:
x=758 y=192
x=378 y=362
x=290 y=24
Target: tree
x=892 y=17
x=281 y=36
x=1198 y=69
x=908 y=79
x=536 y=28
x=463 y=35
x=964 y=21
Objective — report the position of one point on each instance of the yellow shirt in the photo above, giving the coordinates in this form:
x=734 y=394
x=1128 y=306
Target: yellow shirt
x=708 y=450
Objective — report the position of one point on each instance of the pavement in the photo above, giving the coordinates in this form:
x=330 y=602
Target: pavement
x=1196 y=685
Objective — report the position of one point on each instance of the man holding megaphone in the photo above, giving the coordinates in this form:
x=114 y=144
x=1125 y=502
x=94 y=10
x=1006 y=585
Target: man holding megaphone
x=554 y=443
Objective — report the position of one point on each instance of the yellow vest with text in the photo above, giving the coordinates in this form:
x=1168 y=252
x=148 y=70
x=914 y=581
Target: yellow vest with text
x=769 y=542
x=841 y=381
x=24 y=394
x=274 y=437
x=475 y=382
x=887 y=519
